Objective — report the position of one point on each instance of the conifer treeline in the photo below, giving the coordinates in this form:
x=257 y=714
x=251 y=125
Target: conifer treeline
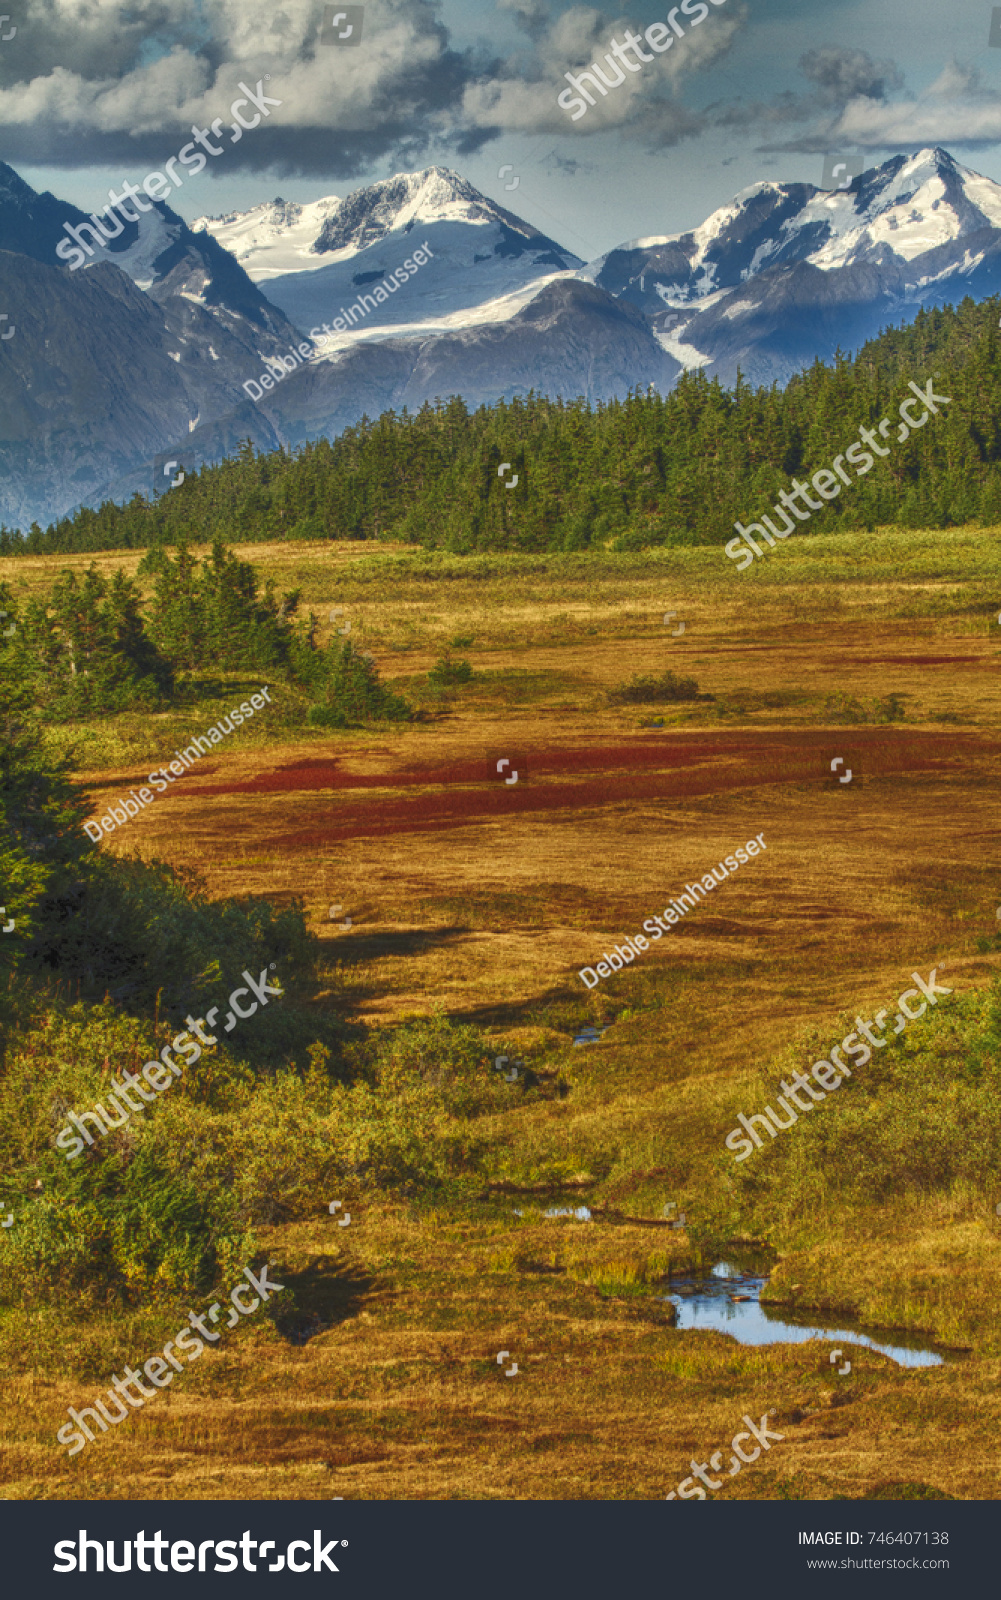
x=651 y=469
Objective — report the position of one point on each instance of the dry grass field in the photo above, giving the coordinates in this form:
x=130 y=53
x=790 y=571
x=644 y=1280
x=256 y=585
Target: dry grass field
x=485 y=898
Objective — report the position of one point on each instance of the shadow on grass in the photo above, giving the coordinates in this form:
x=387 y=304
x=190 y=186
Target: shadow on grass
x=356 y=948
x=323 y=1294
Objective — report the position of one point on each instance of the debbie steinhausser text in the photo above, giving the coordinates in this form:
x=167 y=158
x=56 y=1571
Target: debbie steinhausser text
x=657 y=926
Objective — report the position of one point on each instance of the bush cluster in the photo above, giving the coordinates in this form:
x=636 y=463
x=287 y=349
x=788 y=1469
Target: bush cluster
x=351 y=691
x=88 y=649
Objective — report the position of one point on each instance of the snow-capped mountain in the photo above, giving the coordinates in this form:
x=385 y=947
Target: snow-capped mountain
x=159 y=252
x=908 y=206
x=148 y=347
x=786 y=272
x=273 y=238
x=313 y=260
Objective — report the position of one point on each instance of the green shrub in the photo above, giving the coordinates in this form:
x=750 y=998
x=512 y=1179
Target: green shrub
x=923 y=1118
x=85 y=649
x=353 y=692
x=446 y=673
x=151 y=1207
x=843 y=707
x=212 y=614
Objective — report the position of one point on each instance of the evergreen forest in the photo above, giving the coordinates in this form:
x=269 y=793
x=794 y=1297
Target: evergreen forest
x=652 y=469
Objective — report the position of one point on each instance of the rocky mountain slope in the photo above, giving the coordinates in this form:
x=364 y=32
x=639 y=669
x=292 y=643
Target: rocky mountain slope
x=788 y=273
x=145 y=351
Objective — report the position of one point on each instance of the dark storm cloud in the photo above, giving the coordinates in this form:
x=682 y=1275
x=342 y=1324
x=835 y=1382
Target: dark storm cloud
x=841 y=74
x=98 y=85
x=106 y=86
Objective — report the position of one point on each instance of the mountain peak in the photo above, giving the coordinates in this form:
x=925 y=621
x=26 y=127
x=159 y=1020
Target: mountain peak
x=397 y=204
x=903 y=209
x=13 y=186
x=282 y=237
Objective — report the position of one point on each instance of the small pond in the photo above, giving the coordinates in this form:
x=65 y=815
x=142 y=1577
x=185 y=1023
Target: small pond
x=729 y=1301
x=579 y=1213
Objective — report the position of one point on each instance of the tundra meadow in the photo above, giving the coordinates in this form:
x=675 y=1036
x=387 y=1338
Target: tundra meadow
x=529 y=1216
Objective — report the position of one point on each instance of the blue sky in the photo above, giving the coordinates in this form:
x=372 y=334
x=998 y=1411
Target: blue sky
x=759 y=90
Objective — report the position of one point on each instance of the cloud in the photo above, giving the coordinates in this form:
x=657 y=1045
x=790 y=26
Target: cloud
x=103 y=86
x=566 y=166
x=957 y=109
x=856 y=101
x=97 y=84
x=645 y=108
x=839 y=75
x=842 y=74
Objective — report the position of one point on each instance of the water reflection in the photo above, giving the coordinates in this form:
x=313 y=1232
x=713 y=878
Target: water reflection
x=729 y=1300
x=590 y=1035
x=579 y=1213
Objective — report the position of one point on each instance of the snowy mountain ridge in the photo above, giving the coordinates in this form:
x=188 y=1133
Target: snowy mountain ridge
x=781 y=276
x=908 y=207
x=282 y=236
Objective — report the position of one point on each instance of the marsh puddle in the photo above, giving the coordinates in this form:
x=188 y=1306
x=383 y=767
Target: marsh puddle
x=729 y=1300
x=590 y=1035
x=579 y=1213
